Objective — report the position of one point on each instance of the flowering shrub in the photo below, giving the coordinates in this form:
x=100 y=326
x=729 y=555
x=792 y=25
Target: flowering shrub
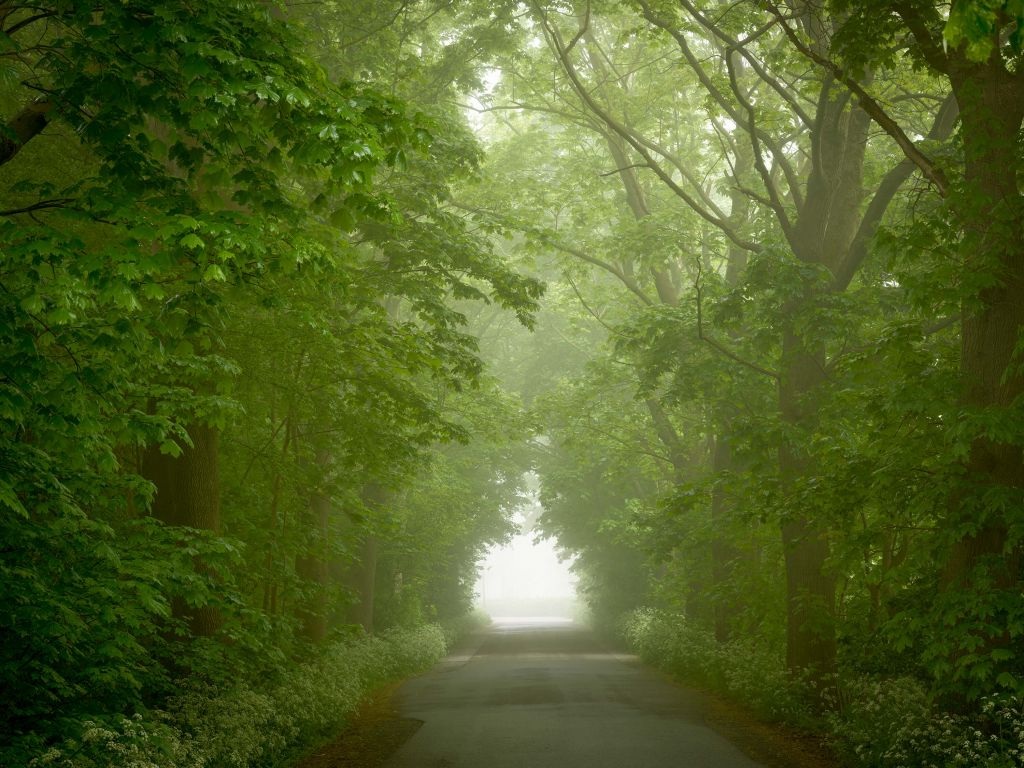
x=245 y=726
x=130 y=742
x=893 y=724
x=749 y=673
x=880 y=723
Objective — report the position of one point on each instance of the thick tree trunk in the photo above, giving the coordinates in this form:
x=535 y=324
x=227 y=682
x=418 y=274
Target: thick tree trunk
x=362 y=576
x=810 y=588
x=823 y=234
x=992 y=109
x=188 y=494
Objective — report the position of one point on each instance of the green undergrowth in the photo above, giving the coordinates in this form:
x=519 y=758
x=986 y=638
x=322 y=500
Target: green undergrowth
x=249 y=724
x=877 y=722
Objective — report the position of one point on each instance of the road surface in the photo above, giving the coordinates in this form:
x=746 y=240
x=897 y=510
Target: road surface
x=537 y=695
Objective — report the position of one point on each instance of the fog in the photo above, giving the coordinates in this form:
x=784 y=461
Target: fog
x=526 y=578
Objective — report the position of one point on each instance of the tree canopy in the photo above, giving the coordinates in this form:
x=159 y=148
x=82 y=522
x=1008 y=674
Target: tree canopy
x=294 y=295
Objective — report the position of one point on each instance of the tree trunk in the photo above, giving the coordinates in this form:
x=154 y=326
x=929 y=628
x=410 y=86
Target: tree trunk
x=24 y=127
x=992 y=109
x=362 y=576
x=823 y=234
x=311 y=568
x=363 y=579
x=188 y=494
x=810 y=589
x=724 y=554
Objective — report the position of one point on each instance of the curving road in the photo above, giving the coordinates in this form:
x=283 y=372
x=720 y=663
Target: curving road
x=536 y=695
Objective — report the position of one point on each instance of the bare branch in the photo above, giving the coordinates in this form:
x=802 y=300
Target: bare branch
x=620 y=170
x=725 y=103
x=584 y=26
x=57 y=202
x=629 y=137
x=27 y=21
x=578 y=253
x=774 y=201
x=733 y=44
x=586 y=306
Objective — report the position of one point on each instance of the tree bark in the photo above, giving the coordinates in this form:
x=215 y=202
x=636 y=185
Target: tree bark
x=188 y=494
x=311 y=568
x=992 y=109
x=810 y=588
x=725 y=555
x=362 y=576
x=823 y=234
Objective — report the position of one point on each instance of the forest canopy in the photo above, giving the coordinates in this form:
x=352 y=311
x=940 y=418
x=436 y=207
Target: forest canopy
x=294 y=297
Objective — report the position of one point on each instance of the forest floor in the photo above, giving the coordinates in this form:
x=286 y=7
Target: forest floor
x=380 y=730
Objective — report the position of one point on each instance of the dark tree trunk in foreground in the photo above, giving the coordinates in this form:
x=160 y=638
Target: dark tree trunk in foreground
x=992 y=109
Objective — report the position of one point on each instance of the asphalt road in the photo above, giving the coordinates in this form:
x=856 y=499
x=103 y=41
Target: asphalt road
x=535 y=695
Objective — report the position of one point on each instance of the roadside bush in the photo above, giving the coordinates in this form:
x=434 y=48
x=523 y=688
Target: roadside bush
x=894 y=724
x=882 y=723
x=250 y=726
x=749 y=673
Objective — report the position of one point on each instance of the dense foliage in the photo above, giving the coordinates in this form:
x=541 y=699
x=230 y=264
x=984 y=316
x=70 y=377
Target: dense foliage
x=783 y=243
x=268 y=276
x=232 y=370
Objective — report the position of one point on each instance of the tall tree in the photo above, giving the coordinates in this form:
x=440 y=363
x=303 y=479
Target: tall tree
x=976 y=51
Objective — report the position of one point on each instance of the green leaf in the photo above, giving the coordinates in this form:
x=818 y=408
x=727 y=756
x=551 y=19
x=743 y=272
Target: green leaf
x=153 y=291
x=170 y=448
x=343 y=219
x=192 y=242
x=214 y=273
x=10 y=500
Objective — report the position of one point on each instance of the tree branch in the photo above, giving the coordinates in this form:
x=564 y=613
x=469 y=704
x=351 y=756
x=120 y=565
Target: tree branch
x=57 y=202
x=625 y=279
x=774 y=201
x=620 y=170
x=869 y=105
x=942 y=127
x=727 y=106
x=930 y=49
x=734 y=44
x=24 y=127
x=629 y=137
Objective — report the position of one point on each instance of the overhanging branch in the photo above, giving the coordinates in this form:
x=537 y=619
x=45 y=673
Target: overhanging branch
x=869 y=105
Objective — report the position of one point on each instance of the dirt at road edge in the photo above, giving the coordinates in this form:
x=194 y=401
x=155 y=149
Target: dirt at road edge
x=374 y=734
